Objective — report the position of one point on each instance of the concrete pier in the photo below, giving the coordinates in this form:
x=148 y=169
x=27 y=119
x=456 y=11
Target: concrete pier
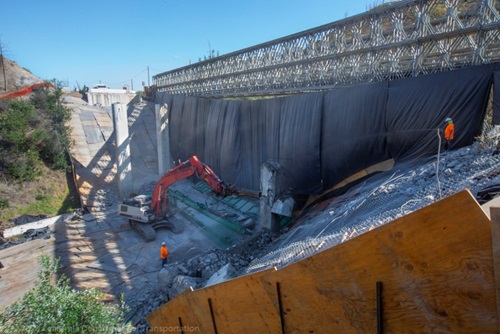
x=122 y=142
x=268 y=185
x=162 y=138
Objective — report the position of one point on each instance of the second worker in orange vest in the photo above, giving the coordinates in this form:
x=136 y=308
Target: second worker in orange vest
x=449 y=133
x=163 y=254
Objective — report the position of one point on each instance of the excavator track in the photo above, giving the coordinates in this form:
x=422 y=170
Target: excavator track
x=174 y=227
x=146 y=230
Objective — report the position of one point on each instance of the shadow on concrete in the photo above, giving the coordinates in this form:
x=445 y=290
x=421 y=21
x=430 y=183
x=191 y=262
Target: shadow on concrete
x=73 y=199
x=98 y=249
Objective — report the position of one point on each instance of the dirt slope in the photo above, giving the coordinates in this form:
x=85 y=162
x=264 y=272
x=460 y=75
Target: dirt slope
x=14 y=77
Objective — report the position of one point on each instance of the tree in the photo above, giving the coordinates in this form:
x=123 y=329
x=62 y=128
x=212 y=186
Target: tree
x=52 y=306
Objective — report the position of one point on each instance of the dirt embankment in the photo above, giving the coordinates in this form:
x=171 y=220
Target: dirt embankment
x=14 y=77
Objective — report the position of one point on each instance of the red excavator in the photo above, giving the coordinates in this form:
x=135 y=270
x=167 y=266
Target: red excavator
x=146 y=213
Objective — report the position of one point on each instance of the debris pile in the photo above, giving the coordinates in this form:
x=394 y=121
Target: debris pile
x=31 y=234
x=197 y=272
x=382 y=198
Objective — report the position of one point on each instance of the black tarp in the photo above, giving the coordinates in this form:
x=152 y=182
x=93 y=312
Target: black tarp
x=496 y=99
x=299 y=143
x=192 y=128
x=260 y=123
x=176 y=120
x=320 y=139
x=353 y=131
x=25 y=219
x=417 y=108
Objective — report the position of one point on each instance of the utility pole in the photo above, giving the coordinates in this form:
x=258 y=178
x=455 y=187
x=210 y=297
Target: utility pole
x=3 y=68
x=131 y=84
x=148 y=77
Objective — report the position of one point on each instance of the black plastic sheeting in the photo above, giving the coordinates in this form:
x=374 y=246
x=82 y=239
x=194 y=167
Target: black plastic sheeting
x=354 y=130
x=319 y=139
x=417 y=108
x=496 y=99
x=25 y=219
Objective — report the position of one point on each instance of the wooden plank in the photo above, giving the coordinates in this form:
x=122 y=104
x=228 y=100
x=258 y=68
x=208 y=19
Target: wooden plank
x=174 y=315
x=20 y=268
x=240 y=305
x=495 y=238
x=435 y=266
x=379 y=167
x=493 y=203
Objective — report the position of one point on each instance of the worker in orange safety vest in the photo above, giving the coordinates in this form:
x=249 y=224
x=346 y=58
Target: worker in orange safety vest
x=163 y=254
x=449 y=133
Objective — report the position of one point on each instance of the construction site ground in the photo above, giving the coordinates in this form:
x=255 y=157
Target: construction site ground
x=96 y=247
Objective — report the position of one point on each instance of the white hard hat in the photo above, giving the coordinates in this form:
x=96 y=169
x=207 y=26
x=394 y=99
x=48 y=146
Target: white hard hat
x=163 y=243
x=447 y=119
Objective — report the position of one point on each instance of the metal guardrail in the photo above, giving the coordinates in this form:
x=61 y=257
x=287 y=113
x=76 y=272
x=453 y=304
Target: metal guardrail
x=406 y=38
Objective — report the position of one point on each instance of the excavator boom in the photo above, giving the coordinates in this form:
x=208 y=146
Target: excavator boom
x=184 y=170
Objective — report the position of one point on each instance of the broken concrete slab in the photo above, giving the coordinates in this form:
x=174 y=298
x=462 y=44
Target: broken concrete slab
x=166 y=277
x=283 y=207
x=88 y=217
x=182 y=283
x=47 y=222
x=223 y=274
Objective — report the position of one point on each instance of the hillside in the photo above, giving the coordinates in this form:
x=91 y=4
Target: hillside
x=52 y=192
x=14 y=77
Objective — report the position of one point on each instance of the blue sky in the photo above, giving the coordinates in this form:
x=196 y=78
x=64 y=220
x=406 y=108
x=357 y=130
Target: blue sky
x=113 y=42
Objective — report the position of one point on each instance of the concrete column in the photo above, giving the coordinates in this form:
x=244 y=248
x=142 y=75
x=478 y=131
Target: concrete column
x=268 y=185
x=122 y=142
x=162 y=138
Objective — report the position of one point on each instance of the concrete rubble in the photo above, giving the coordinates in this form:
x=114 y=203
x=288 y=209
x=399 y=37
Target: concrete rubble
x=382 y=198
x=29 y=235
x=208 y=268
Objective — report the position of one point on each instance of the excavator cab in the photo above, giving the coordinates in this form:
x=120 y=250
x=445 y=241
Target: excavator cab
x=137 y=208
x=139 y=201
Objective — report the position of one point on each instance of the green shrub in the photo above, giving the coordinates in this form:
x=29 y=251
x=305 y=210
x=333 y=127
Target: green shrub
x=32 y=133
x=4 y=203
x=14 y=121
x=52 y=306
x=22 y=166
x=40 y=197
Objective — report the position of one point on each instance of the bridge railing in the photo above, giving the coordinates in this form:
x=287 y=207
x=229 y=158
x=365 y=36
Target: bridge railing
x=407 y=38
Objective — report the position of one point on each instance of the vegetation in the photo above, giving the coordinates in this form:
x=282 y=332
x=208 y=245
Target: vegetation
x=34 y=156
x=33 y=133
x=52 y=306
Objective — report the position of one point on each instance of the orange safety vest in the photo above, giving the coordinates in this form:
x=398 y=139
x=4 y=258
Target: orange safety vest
x=449 y=131
x=163 y=252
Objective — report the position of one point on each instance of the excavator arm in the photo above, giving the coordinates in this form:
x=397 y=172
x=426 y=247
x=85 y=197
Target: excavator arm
x=184 y=170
